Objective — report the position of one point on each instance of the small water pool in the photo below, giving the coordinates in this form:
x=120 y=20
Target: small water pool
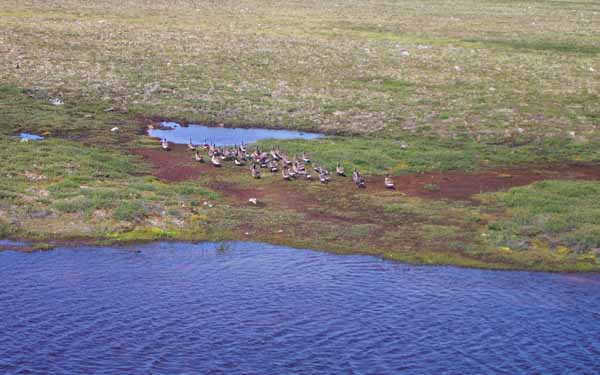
x=176 y=133
x=30 y=137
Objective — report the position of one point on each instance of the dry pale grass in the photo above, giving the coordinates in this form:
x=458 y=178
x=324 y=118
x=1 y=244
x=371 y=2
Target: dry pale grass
x=358 y=66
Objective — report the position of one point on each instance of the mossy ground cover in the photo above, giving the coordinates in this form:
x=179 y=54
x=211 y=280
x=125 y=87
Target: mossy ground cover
x=57 y=189
x=407 y=87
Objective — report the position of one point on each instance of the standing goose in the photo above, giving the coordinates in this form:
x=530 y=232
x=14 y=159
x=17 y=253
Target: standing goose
x=340 y=170
x=285 y=160
x=191 y=145
x=275 y=155
x=389 y=183
x=323 y=177
x=199 y=157
x=358 y=180
x=272 y=166
x=164 y=144
x=215 y=161
x=305 y=158
x=285 y=174
x=255 y=171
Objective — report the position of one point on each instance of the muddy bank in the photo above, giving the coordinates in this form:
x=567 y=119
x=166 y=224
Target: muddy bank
x=461 y=185
x=178 y=165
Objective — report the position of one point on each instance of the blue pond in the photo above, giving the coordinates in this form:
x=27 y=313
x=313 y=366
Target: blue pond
x=223 y=136
x=31 y=137
x=249 y=308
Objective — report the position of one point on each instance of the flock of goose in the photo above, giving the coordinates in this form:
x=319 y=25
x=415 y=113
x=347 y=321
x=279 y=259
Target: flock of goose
x=273 y=161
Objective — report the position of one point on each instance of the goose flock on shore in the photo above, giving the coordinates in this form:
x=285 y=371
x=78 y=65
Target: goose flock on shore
x=274 y=161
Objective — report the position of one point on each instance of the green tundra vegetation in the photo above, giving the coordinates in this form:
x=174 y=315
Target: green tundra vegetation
x=465 y=85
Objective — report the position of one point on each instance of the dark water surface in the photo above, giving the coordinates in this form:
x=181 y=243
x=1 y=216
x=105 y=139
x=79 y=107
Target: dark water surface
x=223 y=136
x=260 y=309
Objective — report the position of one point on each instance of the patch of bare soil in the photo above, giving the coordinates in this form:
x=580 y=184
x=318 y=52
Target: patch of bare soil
x=179 y=165
x=459 y=185
x=175 y=165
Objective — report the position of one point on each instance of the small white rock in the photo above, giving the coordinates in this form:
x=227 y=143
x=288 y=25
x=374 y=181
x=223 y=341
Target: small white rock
x=405 y=53
x=520 y=130
x=114 y=129
x=571 y=134
x=592 y=69
x=253 y=201
x=457 y=68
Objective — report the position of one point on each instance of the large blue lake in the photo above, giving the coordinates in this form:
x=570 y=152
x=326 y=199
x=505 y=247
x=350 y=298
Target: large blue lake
x=248 y=308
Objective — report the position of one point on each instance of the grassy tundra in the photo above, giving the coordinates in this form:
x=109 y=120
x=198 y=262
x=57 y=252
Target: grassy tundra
x=468 y=85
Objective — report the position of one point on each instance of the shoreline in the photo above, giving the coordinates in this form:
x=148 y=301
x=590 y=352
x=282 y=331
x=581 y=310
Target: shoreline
x=31 y=246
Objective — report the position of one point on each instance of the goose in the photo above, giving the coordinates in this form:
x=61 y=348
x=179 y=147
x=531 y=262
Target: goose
x=285 y=174
x=275 y=155
x=340 y=170
x=238 y=162
x=389 y=183
x=358 y=180
x=206 y=145
x=165 y=145
x=191 y=145
x=255 y=171
x=272 y=166
x=292 y=173
x=224 y=154
x=199 y=157
x=243 y=147
x=297 y=170
x=323 y=177
x=228 y=154
x=305 y=158
x=215 y=161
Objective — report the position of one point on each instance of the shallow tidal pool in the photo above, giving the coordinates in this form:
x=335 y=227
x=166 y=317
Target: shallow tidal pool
x=251 y=308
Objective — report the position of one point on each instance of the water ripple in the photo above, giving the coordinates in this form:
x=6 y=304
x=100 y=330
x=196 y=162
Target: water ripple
x=252 y=308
